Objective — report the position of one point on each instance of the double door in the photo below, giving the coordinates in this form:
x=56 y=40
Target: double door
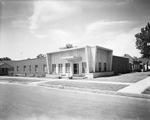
x=75 y=68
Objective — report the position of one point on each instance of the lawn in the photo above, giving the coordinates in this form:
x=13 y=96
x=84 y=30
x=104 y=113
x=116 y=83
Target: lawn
x=147 y=91
x=17 y=80
x=85 y=85
x=130 y=77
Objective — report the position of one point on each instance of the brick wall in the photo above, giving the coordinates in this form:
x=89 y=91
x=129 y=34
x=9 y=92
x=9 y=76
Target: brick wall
x=120 y=65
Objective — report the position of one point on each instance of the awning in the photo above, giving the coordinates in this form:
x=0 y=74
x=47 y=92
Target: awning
x=72 y=58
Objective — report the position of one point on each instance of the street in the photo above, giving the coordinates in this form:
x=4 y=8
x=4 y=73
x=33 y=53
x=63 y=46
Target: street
x=20 y=102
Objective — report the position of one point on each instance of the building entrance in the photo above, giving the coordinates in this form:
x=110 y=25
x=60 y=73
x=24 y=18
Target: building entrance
x=76 y=68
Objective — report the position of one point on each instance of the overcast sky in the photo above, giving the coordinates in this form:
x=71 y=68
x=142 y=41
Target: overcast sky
x=33 y=27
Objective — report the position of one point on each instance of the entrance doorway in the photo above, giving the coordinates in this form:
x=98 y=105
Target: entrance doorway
x=76 y=68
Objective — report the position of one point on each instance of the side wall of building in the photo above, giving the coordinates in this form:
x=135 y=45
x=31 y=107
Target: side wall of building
x=30 y=67
x=120 y=65
x=103 y=60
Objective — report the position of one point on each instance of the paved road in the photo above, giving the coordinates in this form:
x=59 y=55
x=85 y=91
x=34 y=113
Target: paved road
x=19 y=102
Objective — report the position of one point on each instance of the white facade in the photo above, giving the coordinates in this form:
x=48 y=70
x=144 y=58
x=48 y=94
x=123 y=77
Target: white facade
x=86 y=61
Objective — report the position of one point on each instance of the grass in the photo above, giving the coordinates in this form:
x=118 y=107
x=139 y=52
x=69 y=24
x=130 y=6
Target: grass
x=94 y=86
x=147 y=91
x=17 y=80
x=130 y=77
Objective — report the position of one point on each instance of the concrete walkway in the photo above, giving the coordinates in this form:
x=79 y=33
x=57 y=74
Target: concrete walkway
x=138 y=87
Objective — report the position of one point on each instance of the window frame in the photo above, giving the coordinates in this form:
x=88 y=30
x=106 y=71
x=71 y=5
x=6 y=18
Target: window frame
x=24 y=68
x=36 y=68
x=105 y=67
x=53 y=66
x=99 y=66
x=67 y=67
x=60 y=68
x=30 y=68
x=44 y=68
x=17 y=68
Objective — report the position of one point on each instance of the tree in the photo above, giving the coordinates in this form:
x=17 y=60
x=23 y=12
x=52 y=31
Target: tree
x=40 y=56
x=68 y=46
x=5 y=58
x=143 y=41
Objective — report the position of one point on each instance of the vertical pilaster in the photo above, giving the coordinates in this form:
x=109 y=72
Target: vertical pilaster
x=71 y=69
x=87 y=55
x=47 y=62
x=110 y=60
x=94 y=59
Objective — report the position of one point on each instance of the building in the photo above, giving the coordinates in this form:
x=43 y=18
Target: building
x=28 y=67
x=145 y=64
x=120 y=65
x=86 y=61
x=5 y=68
x=80 y=62
x=134 y=62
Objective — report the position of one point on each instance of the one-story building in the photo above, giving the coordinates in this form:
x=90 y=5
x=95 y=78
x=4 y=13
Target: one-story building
x=28 y=67
x=5 y=68
x=86 y=61
x=120 y=65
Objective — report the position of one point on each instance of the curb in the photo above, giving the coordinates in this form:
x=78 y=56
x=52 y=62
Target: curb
x=143 y=96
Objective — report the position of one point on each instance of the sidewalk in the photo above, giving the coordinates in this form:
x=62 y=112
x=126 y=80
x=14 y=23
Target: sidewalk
x=44 y=79
x=137 y=88
x=131 y=92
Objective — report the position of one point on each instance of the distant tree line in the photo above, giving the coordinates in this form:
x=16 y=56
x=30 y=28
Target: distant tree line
x=40 y=55
x=5 y=58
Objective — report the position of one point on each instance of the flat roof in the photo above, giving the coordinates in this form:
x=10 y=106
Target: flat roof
x=29 y=59
x=103 y=48
x=75 y=48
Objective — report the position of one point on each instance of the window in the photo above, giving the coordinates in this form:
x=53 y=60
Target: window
x=105 y=67
x=67 y=67
x=36 y=68
x=53 y=68
x=60 y=66
x=3 y=70
x=83 y=67
x=24 y=68
x=44 y=68
x=17 y=68
x=30 y=68
x=99 y=67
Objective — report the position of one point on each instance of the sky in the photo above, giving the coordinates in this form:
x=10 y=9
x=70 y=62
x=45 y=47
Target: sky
x=32 y=27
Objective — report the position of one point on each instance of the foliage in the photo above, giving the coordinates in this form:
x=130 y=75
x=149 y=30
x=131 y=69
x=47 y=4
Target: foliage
x=5 y=58
x=68 y=46
x=143 y=41
x=40 y=56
